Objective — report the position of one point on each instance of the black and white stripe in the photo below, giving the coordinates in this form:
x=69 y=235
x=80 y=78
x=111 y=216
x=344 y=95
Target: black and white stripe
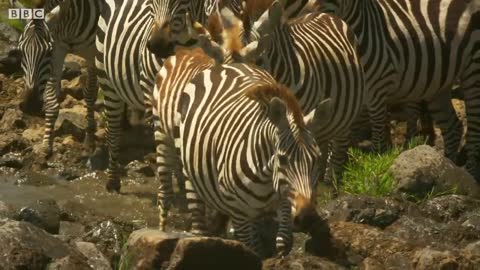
x=247 y=151
x=70 y=27
x=130 y=32
x=315 y=55
x=417 y=50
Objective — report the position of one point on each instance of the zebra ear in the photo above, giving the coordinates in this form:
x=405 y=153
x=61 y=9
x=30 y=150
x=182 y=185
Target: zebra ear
x=316 y=119
x=229 y=19
x=252 y=51
x=271 y=19
x=277 y=113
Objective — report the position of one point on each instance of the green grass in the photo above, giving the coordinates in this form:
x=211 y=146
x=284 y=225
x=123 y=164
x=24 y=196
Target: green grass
x=367 y=173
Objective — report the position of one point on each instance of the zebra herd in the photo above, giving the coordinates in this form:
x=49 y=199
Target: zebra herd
x=251 y=99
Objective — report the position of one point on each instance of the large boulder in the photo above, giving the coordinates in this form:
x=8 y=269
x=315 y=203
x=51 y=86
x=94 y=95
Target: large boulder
x=72 y=122
x=152 y=249
x=421 y=170
x=12 y=119
x=24 y=246
x=94 y=257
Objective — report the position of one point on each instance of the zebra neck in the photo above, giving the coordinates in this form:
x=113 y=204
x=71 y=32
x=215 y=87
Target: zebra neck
x=51 y=4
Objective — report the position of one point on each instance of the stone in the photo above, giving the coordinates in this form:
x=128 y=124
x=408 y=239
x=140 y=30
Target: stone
x=24 y=246
x=11 y=160
x=194 y=253
x=44 y=214
x=99 y=159
x=74 y=87
x=33 y=134
x=12 y=119
x=380 y=212
x=152 y=249
x=472 y=251
x=71 y=70
x=108 y=237
x=72 y=122
x=449 y=207
x=6 y=210
x=11 y=63
x=95 y=258
x=428 y=258
x=11 y=142
x=70 y=230
x=137 y=168
x=68 y=263
x=422 y=169
x=299 y=263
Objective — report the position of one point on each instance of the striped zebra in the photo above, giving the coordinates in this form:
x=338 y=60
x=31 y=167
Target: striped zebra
x=172 y=78
x=417 y=50
x=70 y=27
x=315 y=56
x=129 y=34
x=247 y=150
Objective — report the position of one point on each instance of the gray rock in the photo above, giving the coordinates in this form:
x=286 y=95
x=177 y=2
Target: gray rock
x=24 y=246
x=70 y=230
x=12 y=160
x=449 y=207
x=109 y=237
x=44 y=214
x=138 y=168
x=72 y=122
x=74 y=87
x=11 y=142
x=96 y=260
x=299 y=263
x=422 y=169
x=472 y=251
x=6 y=210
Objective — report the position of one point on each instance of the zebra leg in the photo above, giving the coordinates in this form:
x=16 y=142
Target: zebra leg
x=412 y=110
x=196 y=206
x=284 y=240
x=90 y=93
x=245 y=232
x=50 y=97
x=164 y=173
x=338 y=158
x=114 y=108
x=377 y=111
x=445 y=116
x=471 y=88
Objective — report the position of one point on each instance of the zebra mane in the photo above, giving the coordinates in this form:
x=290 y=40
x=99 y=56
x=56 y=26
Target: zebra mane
x=264 y=92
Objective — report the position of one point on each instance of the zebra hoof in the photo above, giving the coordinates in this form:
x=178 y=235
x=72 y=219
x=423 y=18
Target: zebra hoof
x=113 y=186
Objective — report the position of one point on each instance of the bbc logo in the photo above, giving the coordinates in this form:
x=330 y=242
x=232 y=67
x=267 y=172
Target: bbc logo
x=26 y=13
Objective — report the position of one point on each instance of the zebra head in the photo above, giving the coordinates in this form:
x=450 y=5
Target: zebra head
x=171 y=19
x=297 y=163
x=35 y=45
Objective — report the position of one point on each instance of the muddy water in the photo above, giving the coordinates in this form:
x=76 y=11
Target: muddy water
x=87 y=199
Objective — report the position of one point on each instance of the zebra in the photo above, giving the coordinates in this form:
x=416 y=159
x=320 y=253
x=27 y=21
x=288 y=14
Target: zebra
x=70 y=27
x=246 y=150
x=127 y=63
x=172 y=78
x=315 y=55
x=417 y=50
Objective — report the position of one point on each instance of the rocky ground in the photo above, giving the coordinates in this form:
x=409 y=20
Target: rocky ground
x=55 y=213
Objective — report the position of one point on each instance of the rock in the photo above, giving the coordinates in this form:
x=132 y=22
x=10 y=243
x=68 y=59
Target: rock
x=71 y=70
x=72 y=59
x=74 y=87
x=6 y=210
x=96 y=259
x=44 y=214
x=24 y=246
x=422 y=169
x=108 y=237
x=11 y=142
x=471 y=221
x=300 y=263
x=11 y=63
x=473 y=251
x=449 y=207
x=70 y=230
x=433 y=259
x=12 y=119
x=379 y=212
x=69 y=262
x=33 y=134
x=11 y=160
x=152 y=249
x=137 y=168
x=8 y=37
x=72 y=122
x=99 y=159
